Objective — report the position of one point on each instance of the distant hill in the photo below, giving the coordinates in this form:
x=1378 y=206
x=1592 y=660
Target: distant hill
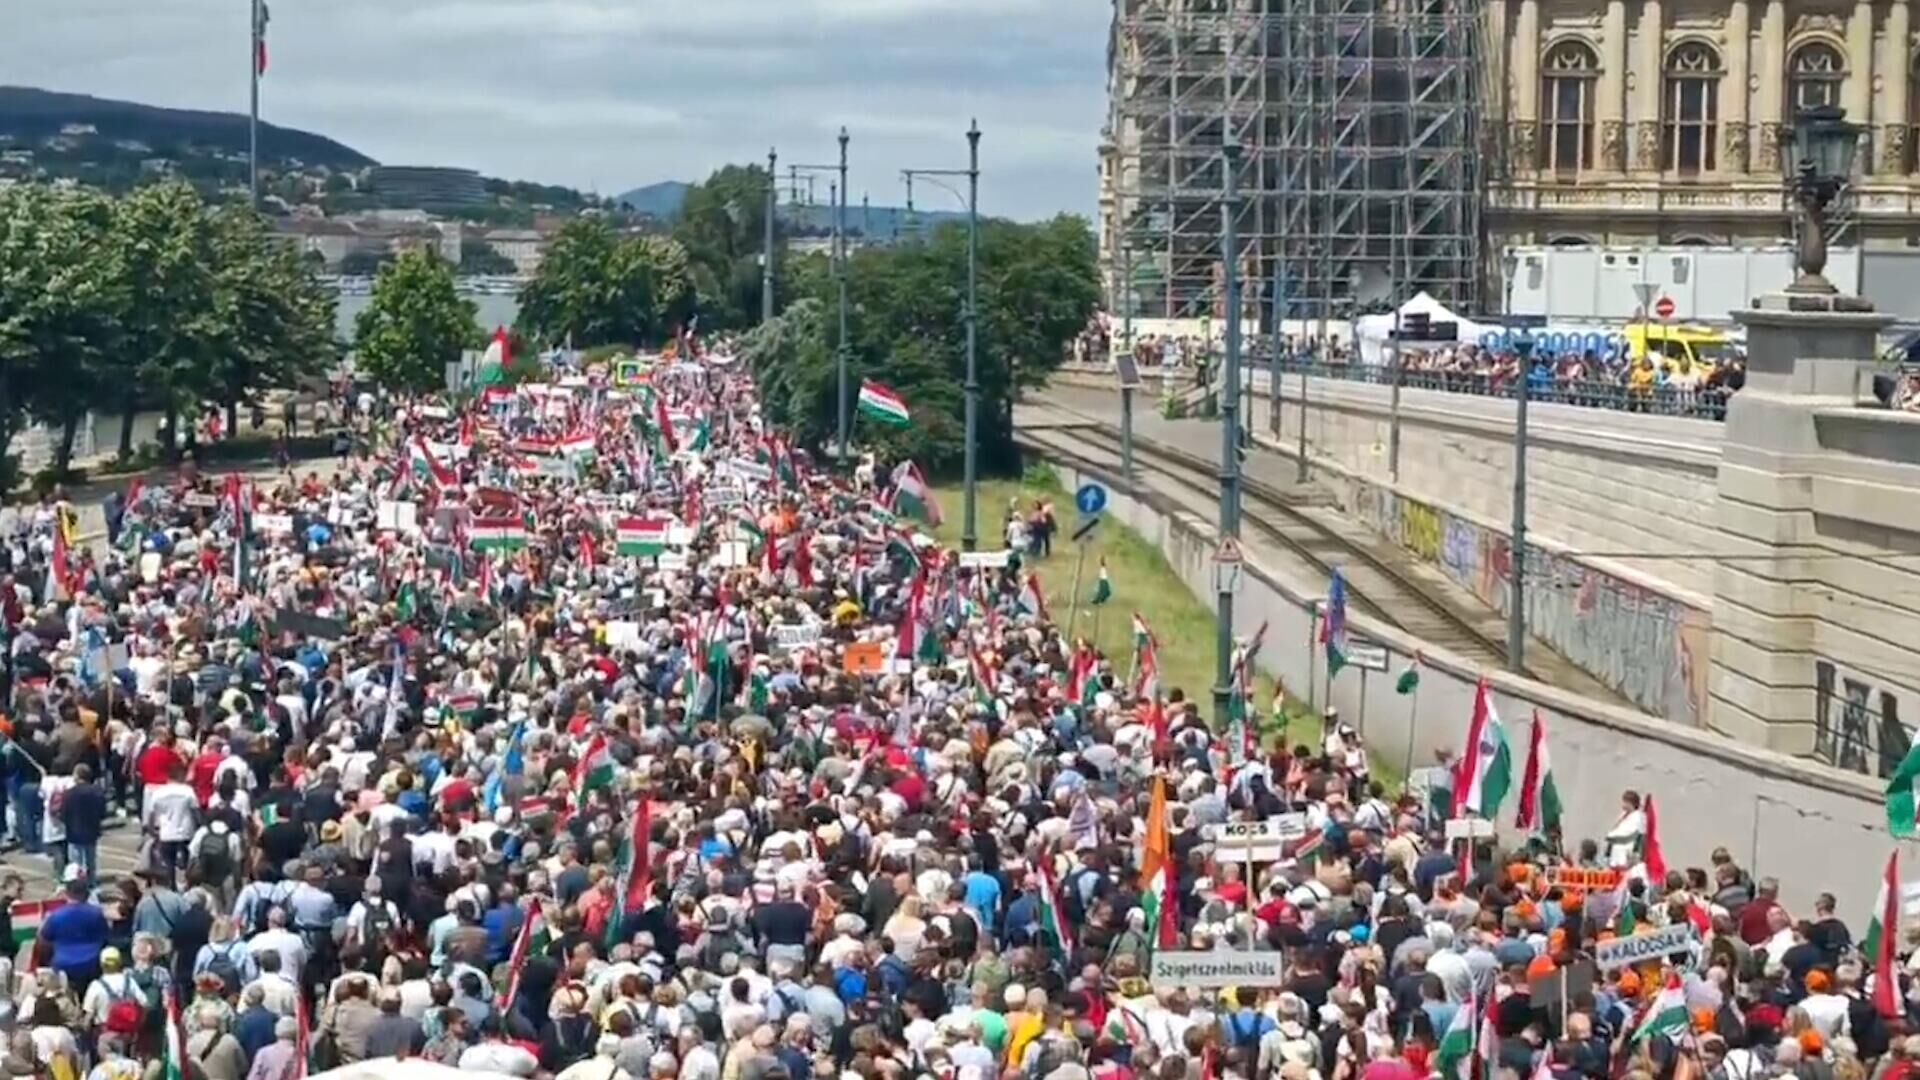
x=662 y=200
x=31 y=115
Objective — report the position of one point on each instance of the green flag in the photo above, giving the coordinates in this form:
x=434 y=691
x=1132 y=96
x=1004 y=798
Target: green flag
x=1903 y=805
x=1103 y=588
x=1409 y=680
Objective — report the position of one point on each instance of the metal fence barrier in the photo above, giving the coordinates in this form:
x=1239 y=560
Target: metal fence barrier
x=1703 y=403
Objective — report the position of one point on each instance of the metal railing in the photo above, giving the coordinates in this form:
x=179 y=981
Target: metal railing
x=1702 y=403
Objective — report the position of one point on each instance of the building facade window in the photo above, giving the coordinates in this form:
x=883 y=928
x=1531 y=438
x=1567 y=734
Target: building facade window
x=1690 y=109
x=1567 y=87
x=1913 y=115
x=1813 y=76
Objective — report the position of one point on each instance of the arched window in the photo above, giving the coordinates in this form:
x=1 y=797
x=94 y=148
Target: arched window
x=1690 y=109
x=1813 y=76
x=1567 y=88
x=1913 y=116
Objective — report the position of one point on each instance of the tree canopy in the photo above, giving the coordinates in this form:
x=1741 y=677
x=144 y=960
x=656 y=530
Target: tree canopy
x=1038 y=286
x=415 y=324
x=147 y=301
x=596 y=286
x=722 y=226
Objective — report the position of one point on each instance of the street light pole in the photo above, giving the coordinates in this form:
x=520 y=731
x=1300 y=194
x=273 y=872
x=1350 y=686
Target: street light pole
x=1229 y=432
x=258 y=19
x=969 y=537
x=1516 y=597
x=766 y=268
x=840 y=244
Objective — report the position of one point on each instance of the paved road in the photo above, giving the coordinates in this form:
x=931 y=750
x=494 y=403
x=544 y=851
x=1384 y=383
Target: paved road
x=118 y=849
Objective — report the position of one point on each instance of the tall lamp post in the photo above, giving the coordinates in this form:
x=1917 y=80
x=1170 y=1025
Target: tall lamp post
x=969 y=532
x=838 y=196
x=1824 y=144
x=1516 y=597
x=766 y=265
x=1229 y=431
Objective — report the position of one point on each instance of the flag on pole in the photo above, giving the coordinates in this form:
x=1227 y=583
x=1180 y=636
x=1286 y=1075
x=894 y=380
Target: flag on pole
x=1486 y=769
x=1903 y=804
x=593 y=773
x=428 y=468
x=176 y=1038
x=636 y=869
x=1651 y=856
x=260 y=16
x=1333 y=626
x=1103 y=586
x=1053 y=915
x=1156 y=873
x=641 y=536
x=1666 y=1015
x=1539 y=798
x=882 y=404
x=1453 y=1058
x=1032 y=597
x=1146 y=660
x=498 y=534
x=522 y=947
x=1883 y=932
x=911 y=495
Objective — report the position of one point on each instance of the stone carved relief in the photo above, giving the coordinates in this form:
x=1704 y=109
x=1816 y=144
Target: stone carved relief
x=1523 y=152
x=1646 y=145
x=1819 y=22
x=1768 y=157
x=1613 y=145
x=1734 y=154
x=1893 y=148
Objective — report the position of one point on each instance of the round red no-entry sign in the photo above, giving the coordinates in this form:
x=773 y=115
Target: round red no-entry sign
x=1663 y=307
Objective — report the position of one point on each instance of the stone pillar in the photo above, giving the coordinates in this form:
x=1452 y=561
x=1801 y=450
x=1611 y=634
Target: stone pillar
x=1526 y=89
x=1857 y=93
x=1765 y=640
x=1611 y=107
x=1648 y=87
x=1772 y=68
x=1896 y=69
x=1734 y=132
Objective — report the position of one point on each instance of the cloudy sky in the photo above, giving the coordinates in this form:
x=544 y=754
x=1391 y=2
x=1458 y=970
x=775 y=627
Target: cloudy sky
x=610 y=94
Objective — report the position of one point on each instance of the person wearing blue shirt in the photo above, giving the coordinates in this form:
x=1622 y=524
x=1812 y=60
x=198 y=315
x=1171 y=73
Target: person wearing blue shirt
x=77 y=931
x=983 y=894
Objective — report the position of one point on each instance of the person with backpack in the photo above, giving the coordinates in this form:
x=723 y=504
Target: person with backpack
x=114 y=1002
x=215 y=858
x=373 y=924
x=226 y=956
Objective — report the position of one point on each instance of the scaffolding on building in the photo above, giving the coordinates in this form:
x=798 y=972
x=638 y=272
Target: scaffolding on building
x=1361 y=131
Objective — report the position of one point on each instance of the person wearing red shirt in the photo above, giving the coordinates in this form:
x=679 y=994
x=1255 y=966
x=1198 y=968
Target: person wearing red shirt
x=155 y=764
x=201 y=774
x=1753 y=919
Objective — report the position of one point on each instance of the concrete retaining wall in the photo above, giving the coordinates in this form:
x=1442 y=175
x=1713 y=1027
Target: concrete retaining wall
x=1814 y=826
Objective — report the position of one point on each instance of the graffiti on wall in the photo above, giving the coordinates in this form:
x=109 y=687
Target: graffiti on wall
x=1856 y=721
x=1647 y=647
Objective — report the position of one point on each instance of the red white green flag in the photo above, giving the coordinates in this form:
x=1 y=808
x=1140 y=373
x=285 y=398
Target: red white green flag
x=1053 y=915
x=883 y=404
x=1883 y=933
x=641 y=536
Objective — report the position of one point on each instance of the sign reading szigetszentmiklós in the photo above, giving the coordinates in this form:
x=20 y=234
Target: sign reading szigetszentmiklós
x=1212 y=970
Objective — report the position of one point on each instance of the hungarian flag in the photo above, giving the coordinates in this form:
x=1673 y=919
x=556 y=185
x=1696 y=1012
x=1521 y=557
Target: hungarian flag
x=1651 y=856
x=1486 y=769
x=1053 y=915
x=1157 y=873
x=1882 y=933
x=240 y=504
x=176 y=1038
x=641 y=536
x=1032 y=597
x=498 y=534
x=260 y=37
x=911 y=495
x=1146 y=660
x=636 y=869
x=1539 y=798
x=594 y=772
x=663 y=426
x=60 y=574
x=1666 y=1015
x=803 y=560
x=522 y=948
x=882 y=404
x=1103 y=587
x=428 y=468
x=1903 y=807
x=1333 y=627
x=1080 y=674
x=1453 y=1058
x=25 y=916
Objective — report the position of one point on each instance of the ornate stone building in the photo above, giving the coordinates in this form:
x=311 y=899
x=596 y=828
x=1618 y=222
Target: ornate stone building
x=1670 y=121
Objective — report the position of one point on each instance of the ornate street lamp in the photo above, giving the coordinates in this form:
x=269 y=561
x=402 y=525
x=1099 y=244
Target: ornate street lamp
x=1823 y=147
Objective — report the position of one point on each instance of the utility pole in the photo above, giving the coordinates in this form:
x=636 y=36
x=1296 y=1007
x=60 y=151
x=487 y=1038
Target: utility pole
x=766 y=268
x=840 y=245
x=1516 y=597
x=254 y=54
x=969 y=537
x=1398 y=368
x=1229 y=431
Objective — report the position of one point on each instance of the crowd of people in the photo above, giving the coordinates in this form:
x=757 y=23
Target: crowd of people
x=598 y=732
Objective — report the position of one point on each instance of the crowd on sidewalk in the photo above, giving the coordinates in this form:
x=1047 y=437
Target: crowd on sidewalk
x=596 y=731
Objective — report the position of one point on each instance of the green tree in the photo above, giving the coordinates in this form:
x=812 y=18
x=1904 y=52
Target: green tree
x=275 y=325
x=62 y=298
x=1038 y=287
x=415 y=324
x=167 y=253
x=480 y=257
x=722 y=225
x=364 y=263
x=597 y=287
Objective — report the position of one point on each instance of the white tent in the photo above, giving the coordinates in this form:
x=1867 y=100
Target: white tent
x=387 y=1068
x=1372 y=332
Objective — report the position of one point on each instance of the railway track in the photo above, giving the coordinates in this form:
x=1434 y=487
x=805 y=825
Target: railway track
x=1376 y=586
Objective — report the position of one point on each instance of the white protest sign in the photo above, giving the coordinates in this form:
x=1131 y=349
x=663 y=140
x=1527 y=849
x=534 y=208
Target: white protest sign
x=200 y=500
x=984 y=560
x=679 y=536
x=1469 y=829
x=1637 y=948
x=723 y=497
x=1370 y=655
x=553 y=468
x=733 y=553
x=276 y=524
x=751 y=470
x=622 y=633
x=1215 y=970
x=150 y=567
x=671 y=560
x=1255 y=841
x=397 y=516
x=447 y=451
x=790 y=636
